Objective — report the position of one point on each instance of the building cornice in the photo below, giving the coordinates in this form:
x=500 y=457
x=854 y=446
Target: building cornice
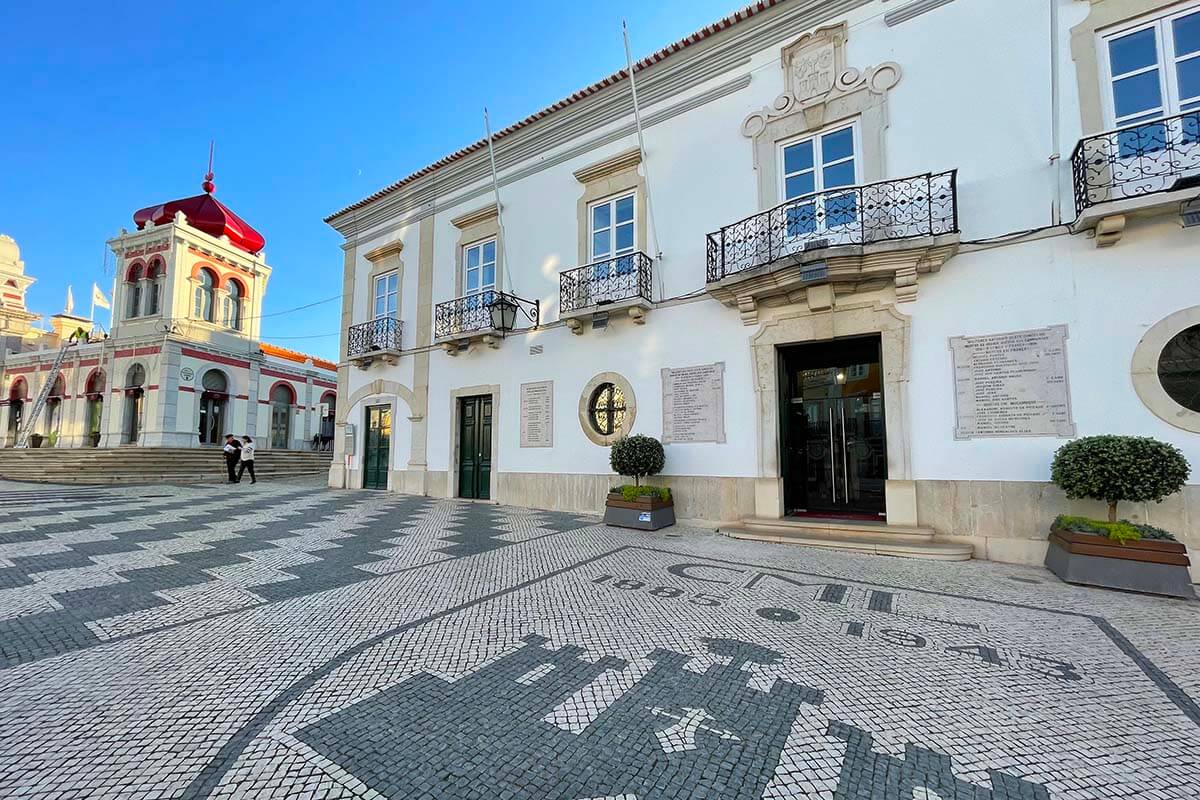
x=483 y=214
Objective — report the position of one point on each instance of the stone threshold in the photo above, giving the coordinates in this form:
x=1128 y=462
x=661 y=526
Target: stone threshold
x=850 y=536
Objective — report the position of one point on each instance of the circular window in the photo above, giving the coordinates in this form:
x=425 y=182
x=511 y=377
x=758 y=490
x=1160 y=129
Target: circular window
x=1179 y=368
x=1166 y=369
x=606 y=409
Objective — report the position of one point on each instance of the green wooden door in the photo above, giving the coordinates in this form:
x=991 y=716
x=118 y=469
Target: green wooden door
x=475 y=447
x=377 y=447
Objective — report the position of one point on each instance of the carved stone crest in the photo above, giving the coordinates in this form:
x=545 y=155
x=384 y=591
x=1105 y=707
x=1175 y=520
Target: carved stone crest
x=816 y=78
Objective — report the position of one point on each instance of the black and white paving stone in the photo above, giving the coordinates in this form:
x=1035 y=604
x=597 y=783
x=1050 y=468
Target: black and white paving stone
x=289 y=641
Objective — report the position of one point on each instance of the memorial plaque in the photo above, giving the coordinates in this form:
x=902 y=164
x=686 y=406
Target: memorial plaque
x=1012 y=384
x=537 y=414
x=694 y=404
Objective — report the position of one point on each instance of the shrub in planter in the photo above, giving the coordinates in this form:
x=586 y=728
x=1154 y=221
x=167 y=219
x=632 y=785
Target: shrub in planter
x=1118 y=554
x=1117 y=469
x=638 y=506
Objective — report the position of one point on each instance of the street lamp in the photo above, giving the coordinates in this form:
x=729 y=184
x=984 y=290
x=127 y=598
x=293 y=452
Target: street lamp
x=503 y=312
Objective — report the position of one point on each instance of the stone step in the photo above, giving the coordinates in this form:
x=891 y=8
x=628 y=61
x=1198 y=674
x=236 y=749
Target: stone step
x=859 y=537
x=134 y=465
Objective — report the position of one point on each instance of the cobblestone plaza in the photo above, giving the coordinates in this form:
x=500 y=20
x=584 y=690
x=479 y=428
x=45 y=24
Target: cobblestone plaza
x=295 y=642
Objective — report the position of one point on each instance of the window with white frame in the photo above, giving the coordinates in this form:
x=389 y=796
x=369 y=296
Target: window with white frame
x=612 y=234
x=387 y=291
x=1153 y=68
x=813 y=166
x=479 y=268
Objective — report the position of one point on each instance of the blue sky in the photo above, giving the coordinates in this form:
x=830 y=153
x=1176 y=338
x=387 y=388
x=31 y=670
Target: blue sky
x=110 y=107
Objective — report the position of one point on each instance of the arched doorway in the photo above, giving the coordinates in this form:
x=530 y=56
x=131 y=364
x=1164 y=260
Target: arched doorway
x=329 y=414
x=213 y=404
x=52 y=424
x=17 y=396
x=93 y=412
x=282 y=399
x=135 y=393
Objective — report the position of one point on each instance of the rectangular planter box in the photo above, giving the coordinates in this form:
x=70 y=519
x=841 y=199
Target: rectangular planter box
x=645 y=513
x=1151 y=566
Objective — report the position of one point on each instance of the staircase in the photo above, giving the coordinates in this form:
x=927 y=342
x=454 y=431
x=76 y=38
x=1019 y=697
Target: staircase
x=855 y=537
x=134 y=465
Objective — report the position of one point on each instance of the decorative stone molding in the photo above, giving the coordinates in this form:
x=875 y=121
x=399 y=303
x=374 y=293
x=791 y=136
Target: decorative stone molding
x=820 y=90
x=1144 y=369
x=798 y=326
x=482 y=214
x=849 y=269
x=625 y=160
x=585 y=423
x=616 y=175
x=1109 y=230
x=392 y=248
x=914 y=9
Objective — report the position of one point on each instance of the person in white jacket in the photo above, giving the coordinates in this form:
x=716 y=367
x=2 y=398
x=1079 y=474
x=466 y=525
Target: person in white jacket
x=247 y=459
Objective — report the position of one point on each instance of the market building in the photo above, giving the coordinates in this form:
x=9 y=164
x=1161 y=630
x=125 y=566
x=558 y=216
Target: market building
x=869 y=266
x=183 y=364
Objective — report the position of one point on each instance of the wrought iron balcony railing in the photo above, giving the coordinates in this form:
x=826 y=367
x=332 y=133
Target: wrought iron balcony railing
x=1138 y=160
x=609 y=281
x=464 y=315
x=373 y=336
x=907 y=208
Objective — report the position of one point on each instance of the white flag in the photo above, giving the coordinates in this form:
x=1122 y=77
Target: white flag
x=70 y=301
x=98 y=297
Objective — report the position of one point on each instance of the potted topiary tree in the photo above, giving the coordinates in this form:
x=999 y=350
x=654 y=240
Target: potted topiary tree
x=646 y=508
x=1118 y=554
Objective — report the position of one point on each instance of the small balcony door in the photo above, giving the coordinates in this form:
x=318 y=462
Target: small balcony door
x=385 y=306
x=475 y=447
x=812 y=169
x=377 y=447
x=612 y=241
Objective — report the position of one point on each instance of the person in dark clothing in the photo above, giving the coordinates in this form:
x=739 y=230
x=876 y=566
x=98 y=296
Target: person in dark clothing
x=233 y=454
x=247 y=456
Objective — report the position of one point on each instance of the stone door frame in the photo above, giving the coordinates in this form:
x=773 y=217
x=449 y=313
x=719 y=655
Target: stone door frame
x=803 y=326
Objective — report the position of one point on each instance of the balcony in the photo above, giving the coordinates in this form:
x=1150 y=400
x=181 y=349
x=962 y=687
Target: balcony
x=838 y=240
x=595 y=290
x=377 y=339
x=1140 y=170
x=458 y=322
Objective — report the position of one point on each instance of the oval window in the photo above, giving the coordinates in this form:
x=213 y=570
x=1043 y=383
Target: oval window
x=1179 y=368
x=606 y=409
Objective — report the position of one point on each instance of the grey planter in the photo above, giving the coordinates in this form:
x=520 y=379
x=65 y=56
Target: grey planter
x=644 y=514
x=1149 y=566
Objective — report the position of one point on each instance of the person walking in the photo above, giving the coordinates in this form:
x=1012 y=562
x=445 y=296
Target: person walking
x=247 y=456
x=232 y=454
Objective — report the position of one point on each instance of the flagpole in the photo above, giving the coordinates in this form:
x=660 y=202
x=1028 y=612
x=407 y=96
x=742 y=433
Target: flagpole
x=637 y=118
x=487 y=124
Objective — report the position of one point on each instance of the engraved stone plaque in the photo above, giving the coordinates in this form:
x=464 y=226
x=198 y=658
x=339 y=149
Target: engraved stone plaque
x=694 y=404
x=537 y=414
x=1012 y=384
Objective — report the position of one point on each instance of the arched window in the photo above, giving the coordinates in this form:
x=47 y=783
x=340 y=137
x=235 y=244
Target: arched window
x=232 y=316
x=606 y=409
x=205 y=288
x=94 y=389
x=95 y=383
x=215 y=381
x=329 y=401
x=135 y=378
x=133 y=292
x=154 y=290
x=282 y=398
x=213 y=406
x=282 y=395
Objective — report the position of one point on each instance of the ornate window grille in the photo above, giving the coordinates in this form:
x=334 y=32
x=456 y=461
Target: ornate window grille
x=608 y=281
x=907 y=208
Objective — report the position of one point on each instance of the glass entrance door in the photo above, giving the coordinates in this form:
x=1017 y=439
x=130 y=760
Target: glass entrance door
x=377 y=447
x=212 y=419
x=834 y=442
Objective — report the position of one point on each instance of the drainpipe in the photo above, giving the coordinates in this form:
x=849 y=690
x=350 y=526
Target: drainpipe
x=1055 y=120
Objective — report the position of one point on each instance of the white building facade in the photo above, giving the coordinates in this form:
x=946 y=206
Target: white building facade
x=877 y=260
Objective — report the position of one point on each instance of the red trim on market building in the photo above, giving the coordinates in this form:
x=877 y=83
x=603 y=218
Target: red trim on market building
x=137 y=351
x=214 y=358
